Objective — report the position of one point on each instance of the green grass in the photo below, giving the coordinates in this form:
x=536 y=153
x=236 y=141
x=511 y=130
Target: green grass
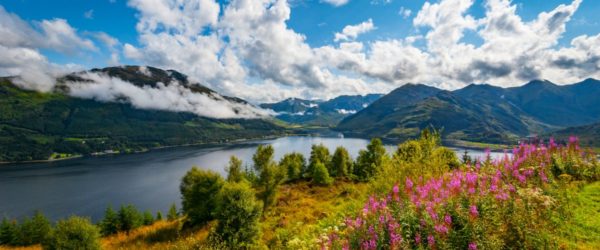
x=582 y=231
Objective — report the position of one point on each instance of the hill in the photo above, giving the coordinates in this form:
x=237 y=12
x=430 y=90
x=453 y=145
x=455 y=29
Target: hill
x=321 y=113
x=481 y=113
x=40 y=126
x=589 y=135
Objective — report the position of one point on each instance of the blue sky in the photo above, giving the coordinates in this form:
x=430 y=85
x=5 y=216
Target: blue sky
x=317 y=20
x=290 y=47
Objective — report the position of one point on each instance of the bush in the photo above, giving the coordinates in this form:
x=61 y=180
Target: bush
x=35 y=230
x=238 y=216
x=159 y=216
x=74 y=233
x=321 y=175
x=235 y=172
x=9 y=232
x=341 y=164
x=198 y=191
x=129 y=218
x=172 y=215
x=445 y=157
x=110 y=223
x=318 y=153
x=294 y=164
x=370 y=160
x=148 y=219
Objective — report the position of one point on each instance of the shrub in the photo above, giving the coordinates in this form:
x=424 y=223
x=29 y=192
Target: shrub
x=74 y=233
x=235 y=172
x=341 y=164
x=129 y=218
x=445 y=157
x=198 y=191
x=370 y=160
x=9 y=232
x=159 y=216
x=318 y=153
x=110 y=223
x=35 y=230
x=172 y=215
x=321 y=175
x=238 y=216
x=294 y=164
x=148 y=219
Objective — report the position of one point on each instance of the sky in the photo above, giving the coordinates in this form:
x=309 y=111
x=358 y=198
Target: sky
x=269 y=50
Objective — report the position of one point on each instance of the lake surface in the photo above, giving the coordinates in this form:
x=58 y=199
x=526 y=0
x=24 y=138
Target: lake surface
x=150 y=181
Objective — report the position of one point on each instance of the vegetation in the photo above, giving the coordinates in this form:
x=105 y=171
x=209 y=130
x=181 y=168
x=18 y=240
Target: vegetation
x=74 y=233
x=295 y=164
x=199 y=189
x=270 y=175
x=341 y=163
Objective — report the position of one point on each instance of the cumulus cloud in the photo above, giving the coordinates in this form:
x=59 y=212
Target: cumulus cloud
x=351 y=32
x=171 y=96
x=336 y=3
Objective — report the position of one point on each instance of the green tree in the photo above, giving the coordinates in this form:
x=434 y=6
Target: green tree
x=294 y=164
x=238 y=216
x=270 y=176
x=110 y=223
x=370 y=160
x=34 y=231
x=446 y=157
x=148 y=218
x=318 y=153
x=8 y=232
x=75 y=233
x=235 y=173
x=130 y=218
x=409 y=151
x=341 y=164
x=199 y=189
x=172 y=215
x=321 y=175
x=159 y=216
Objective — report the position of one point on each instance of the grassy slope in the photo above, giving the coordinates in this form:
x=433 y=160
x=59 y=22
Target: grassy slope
x=583 y=230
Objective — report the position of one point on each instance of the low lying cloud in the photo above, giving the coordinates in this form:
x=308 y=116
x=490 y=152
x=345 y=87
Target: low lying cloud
x=165 y=96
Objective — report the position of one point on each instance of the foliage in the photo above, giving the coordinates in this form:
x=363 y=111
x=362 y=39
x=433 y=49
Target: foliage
x=34 y=230
x=159 y=216
x=294 y=164
x=235 y=172
x=270 y=175
x=110 y=224
x=341 y=163
x=129 y=218
x=74 y=233
x=9 y=232
x=238 y=216
x=497 y=204
x=318 y=153
x=148 y=218
x=173 y=214
x=320 y=175
x=199 y=189
x=369 y=161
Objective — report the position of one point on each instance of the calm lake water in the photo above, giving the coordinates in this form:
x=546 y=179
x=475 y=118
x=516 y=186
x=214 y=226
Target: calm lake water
x=150 y=180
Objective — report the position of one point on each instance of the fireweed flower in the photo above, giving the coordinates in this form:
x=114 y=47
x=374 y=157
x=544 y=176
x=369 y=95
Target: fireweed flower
x=448 y=219
x=473 y=211
x=431 y=240
x=472 y=246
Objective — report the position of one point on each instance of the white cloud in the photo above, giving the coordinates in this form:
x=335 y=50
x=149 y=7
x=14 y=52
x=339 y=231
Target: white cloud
x=336 y=3
x=404 y=12
x=351 y=32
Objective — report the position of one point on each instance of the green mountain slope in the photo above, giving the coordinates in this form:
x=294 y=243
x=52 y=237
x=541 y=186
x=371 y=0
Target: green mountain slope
x=481 y=113
x=35 y=125
x=589 y=135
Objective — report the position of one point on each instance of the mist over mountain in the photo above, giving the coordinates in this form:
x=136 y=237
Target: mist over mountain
x=318 y=112
x=478 y=112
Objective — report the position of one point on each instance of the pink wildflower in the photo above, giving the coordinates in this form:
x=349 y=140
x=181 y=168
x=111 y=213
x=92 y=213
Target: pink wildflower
x=448 y=219
x=472 y=246
x=431 y=240
x=473 y=211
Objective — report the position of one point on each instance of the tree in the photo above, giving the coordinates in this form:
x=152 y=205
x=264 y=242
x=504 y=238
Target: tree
x=370 y=160
x=148 y=219
x=199 y=189
x=110 y=223
x=466 y=158
x=129 y=218
x=294 y=164
x=238 y=216
x=446 y=156
x=321 y=175
x=8 y=232
x=159 y=216
x=341 y=164
x=34 y=230
x=235 y=172
x=409 y=151
x=270 y=176
x=318 y=153
x=172 y=215
x=75 y=233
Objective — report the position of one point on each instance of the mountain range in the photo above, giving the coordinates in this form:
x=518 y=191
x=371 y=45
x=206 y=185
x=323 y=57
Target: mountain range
x=36 y=126
x=318 y=112
x=481 y=113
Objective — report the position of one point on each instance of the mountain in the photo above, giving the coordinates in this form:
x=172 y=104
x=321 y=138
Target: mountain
x=589 y=135
x=35 y=126
x=320 y=113
x=478 y=112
